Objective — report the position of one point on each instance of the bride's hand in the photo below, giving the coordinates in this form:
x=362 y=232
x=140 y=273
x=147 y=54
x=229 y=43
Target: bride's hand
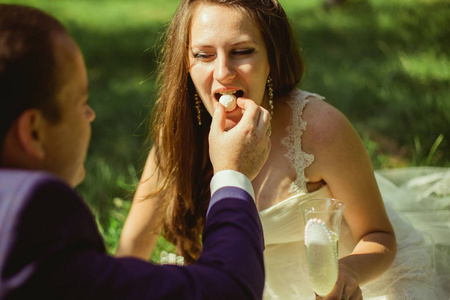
x=347 y=286
x=245 y=147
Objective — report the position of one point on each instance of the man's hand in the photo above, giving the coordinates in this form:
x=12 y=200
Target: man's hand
x=245 y=147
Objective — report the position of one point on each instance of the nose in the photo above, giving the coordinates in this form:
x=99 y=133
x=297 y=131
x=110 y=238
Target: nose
x=90 y=114
x=224 y=69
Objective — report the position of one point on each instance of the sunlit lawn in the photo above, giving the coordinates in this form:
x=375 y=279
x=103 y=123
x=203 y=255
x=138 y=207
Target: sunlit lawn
x=384 y=63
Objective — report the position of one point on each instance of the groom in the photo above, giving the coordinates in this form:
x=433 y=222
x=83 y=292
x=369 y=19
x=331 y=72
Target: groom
x=49 y=243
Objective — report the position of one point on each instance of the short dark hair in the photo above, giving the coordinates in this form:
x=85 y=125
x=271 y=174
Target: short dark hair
x=27 y=64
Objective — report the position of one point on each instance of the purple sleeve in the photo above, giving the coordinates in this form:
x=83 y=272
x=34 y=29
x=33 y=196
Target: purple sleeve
x=61 y=255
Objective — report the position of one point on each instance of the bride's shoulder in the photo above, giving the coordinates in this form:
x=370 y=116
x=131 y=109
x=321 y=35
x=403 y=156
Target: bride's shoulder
x=325 y=123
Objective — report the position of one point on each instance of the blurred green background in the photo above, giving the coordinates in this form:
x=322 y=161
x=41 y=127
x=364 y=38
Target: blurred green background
x=384 y=63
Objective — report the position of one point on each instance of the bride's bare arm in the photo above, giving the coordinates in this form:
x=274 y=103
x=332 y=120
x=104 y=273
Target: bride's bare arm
x=342 y=162
x=140 y=232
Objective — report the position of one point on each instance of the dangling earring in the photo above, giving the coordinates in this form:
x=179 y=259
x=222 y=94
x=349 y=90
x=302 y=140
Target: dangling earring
x=197 y=106
x=270 y=92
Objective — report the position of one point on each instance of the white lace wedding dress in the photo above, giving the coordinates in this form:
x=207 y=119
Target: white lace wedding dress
x=419 y=196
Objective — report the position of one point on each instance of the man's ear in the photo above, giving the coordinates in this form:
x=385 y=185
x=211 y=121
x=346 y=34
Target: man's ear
x=30 y=132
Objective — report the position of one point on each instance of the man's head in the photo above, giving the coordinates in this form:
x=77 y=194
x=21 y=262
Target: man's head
x=44 y=120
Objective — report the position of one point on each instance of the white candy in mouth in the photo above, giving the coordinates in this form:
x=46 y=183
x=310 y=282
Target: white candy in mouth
x=228 y=101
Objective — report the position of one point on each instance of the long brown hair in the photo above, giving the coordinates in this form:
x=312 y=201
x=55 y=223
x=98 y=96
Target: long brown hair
x=181 y=145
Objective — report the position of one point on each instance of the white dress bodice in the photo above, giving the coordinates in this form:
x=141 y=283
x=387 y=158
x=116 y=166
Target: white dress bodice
x=411 y=276
x=419 y=196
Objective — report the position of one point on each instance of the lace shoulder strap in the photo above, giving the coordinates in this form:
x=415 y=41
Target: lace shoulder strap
x=293 y=140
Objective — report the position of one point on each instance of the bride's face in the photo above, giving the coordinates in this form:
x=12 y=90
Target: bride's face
x=226 y=53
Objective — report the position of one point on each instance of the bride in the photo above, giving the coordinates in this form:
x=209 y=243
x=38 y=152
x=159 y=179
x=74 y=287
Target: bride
x=246 y=48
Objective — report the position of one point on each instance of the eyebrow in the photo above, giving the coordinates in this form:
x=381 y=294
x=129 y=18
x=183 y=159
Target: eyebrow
x=234 y=44
x=249 y=41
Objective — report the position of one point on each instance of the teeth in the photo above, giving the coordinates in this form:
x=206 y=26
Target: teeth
x=228 y=92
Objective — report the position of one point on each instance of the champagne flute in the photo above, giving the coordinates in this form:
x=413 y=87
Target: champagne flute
x=322 y=217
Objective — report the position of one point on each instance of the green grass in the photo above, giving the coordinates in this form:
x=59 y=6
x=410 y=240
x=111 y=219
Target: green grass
x=384 y=63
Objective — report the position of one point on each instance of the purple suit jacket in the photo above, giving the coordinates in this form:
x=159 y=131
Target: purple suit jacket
x=50 y=248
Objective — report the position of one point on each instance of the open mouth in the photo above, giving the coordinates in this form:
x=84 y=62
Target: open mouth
x=237 y=94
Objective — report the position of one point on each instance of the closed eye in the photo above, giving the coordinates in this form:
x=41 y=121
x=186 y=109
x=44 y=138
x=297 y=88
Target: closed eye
x=201 y=56
x=244 y=52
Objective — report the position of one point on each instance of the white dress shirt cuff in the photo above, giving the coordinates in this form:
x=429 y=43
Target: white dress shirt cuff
x=231 y=178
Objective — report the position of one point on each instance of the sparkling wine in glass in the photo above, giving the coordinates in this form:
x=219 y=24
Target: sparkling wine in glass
x=322 y=219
